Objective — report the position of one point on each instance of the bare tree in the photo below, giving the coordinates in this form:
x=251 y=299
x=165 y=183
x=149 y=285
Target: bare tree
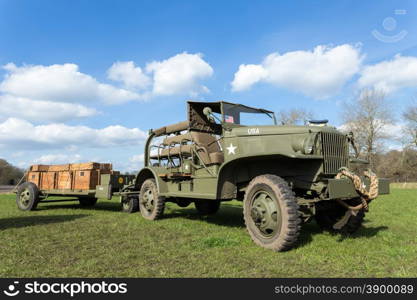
x=294 y=116
x=410 y=130
x=367 y=117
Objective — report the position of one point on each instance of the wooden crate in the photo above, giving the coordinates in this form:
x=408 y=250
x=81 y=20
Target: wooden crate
x=48 y=180
x=38 y=168
x=34 y=177
x=91 y=166
x=82 y=176
x=86 y=179
x=58 y=168
x=64 y=181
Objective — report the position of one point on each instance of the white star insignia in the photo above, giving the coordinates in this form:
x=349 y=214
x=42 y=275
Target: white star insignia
x=186 y=167
x=231 y=149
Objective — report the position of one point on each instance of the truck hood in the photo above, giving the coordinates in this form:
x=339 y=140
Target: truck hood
x=280 y=130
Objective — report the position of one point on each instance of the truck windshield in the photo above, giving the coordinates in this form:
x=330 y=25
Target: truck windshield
x=243 y=115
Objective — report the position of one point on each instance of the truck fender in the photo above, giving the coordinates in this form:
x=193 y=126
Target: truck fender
x=147 y=173
x=226 y=181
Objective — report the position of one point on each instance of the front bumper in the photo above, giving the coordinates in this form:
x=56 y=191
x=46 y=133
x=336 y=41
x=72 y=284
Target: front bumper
x=344 y=188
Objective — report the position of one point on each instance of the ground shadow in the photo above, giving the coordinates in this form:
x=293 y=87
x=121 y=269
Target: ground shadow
x=19 y=222
x=363 y=232
x=74 y=204
x=228 y=215
x=232 y=216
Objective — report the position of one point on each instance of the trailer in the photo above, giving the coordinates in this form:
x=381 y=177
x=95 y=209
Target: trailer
x=86 y=181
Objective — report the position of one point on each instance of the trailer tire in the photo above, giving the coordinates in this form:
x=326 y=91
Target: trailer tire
x=207 y=207
x=151 y=204
x=27 y=196
x=129 y=204
x=87 y=201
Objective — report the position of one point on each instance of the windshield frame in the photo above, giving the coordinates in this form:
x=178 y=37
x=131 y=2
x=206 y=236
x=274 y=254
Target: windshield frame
x=245 y=109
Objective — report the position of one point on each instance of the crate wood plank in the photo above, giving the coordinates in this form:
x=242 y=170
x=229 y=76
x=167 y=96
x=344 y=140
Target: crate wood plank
x=47 y=180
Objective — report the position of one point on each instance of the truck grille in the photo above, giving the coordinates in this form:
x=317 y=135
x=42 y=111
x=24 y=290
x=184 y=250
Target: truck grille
x=335 y=152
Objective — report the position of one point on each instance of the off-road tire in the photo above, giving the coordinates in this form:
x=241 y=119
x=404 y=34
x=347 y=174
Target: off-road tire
x=151 y=209
x=27 y=196
x=207 y=207
x=87 y=201
x=129 y=204
x=329 y=213
x=288 y=222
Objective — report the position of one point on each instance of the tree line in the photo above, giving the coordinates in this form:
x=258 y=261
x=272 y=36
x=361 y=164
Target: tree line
x=9 y=175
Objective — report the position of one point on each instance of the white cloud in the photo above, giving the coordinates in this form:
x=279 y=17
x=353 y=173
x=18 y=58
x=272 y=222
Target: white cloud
x=391 y=75
x=394 y=130
x=390 y=131
x=132 y=77
x=139 y=158
x=18 y=134
x=57 y=159
x=319 y=73
x=248 y=75
x=11 y=106
x=60 y=83
x=179 y=74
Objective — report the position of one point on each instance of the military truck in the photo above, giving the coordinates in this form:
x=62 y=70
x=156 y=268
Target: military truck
x=285 y=175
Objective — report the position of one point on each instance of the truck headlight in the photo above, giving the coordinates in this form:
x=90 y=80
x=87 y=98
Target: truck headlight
x=309 y=144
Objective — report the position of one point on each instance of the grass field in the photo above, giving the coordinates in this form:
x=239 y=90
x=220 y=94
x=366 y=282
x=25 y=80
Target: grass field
x=62 y=239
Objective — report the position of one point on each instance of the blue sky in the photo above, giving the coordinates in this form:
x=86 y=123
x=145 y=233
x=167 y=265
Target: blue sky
x=212 y=38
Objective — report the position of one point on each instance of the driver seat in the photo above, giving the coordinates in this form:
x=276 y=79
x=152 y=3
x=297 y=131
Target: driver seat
x=208 y=148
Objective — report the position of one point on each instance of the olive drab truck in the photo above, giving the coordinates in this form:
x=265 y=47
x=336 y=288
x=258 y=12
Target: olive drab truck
x=285 y=175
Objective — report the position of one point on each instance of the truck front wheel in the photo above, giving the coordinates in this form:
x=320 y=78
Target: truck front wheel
x=270 y=211
x=151 y=205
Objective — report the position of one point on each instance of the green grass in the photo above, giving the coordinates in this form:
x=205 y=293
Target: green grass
x=62 y=239
x=403 y=185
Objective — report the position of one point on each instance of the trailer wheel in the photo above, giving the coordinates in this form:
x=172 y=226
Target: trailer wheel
x=328 y=213
x=270 y=211
x=129 y=204
x=207 y=207
x=27 y=196
x=151 y=205
x=87 y=201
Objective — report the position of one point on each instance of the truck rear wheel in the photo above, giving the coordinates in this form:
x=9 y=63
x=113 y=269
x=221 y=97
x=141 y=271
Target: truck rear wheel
x=328 y=213
x=87 y=201
x=151 y=205
x=270 y=211
x=27 y=196
x=130 y=204
x=207 y=207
